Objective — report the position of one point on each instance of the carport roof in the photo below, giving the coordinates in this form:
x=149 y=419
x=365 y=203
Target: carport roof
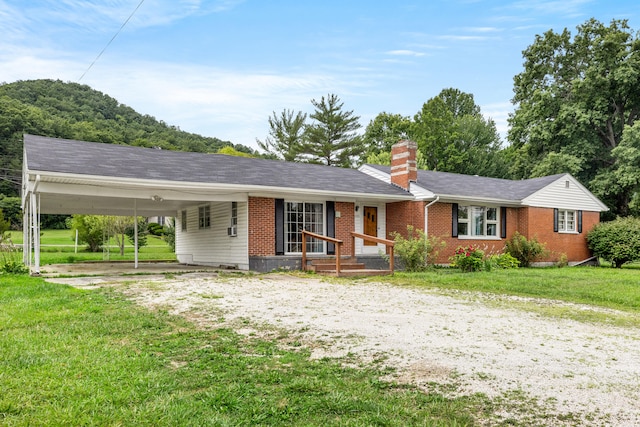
x=90 y=159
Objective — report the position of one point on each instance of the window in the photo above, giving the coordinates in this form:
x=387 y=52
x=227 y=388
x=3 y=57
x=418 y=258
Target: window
x=477 y=221
x=234 y=214
x=204 y=217
x=566 y=221
x=183 y=220
x=303 y=216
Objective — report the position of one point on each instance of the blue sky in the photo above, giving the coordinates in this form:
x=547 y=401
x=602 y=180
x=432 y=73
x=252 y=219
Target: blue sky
x=221 y=67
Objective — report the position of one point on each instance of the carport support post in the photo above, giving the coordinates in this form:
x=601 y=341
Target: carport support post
x=35 y=232
x=135 y=233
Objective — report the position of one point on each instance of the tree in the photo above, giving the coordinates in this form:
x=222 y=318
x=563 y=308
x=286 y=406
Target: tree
x=384 y=131
x=624 y=175
x=230 y=151
x=453 y=136
x=575 y=97
x=286 y=135
x=332 y=139
x=91 y=230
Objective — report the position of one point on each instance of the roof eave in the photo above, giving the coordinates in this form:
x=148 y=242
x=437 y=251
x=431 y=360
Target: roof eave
x=105 y=181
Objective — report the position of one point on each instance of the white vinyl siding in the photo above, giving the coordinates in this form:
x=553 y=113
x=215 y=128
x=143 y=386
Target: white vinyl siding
x=560 y=195
x=213 y=246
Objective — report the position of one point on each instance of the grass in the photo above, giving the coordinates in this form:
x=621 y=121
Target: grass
x=58 y=247
x=75 y=357
x=608 y=288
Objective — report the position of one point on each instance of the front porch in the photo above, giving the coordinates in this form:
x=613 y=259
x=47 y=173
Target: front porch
x=345 y=266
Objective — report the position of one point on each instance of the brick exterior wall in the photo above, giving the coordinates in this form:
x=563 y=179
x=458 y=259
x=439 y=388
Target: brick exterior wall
x=345 y=225
x=530 y=222
x=262 y=226
x=539 y=223
x=401 y=214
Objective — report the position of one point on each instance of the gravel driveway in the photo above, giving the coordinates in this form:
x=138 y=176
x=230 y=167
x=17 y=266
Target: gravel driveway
x=461 y=339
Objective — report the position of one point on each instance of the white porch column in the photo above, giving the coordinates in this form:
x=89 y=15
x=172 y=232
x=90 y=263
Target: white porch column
x=135 y=233
x=26 y=237
x=35 y=232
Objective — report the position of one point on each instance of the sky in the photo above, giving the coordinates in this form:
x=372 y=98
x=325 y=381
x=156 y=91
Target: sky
x=220 y=68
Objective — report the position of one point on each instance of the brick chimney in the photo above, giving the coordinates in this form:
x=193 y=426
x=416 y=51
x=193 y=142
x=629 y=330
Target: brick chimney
x=403 y=164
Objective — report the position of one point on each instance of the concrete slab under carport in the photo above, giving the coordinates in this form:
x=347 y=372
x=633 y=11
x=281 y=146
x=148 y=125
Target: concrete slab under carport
x=82 y=269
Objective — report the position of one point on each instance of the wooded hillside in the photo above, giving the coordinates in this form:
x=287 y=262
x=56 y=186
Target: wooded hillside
x=70 y=110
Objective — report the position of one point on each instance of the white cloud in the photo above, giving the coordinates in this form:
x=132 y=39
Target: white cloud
x=404 y=52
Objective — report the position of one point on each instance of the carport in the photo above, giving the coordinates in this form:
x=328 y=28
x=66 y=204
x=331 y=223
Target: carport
x=61 y=177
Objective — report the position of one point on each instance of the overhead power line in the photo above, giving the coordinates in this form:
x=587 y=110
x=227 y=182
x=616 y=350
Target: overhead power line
x=112 y=39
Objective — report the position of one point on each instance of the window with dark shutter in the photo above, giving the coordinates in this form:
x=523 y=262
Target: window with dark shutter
x=279 y=213
x=331 y=226
x=454 y=220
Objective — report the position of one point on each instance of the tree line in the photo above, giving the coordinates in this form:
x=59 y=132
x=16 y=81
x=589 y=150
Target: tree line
x=577 y=104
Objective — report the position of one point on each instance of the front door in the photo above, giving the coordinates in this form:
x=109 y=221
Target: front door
x=370 y=223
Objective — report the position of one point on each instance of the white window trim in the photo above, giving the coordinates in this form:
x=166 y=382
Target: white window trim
x=183 y=220
x=564 y=230
x=469 y=221
x=207 y=224
x=324 y=226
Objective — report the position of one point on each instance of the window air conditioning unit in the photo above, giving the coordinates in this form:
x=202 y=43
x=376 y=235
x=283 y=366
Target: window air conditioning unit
x=232 y=231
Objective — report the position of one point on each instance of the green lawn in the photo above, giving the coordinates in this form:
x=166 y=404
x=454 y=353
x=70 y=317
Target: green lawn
x=58 y=247
x=604 y=287
x=70 y=357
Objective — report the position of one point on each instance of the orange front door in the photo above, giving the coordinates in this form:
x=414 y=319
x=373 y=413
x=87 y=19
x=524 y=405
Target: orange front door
x=370 y=223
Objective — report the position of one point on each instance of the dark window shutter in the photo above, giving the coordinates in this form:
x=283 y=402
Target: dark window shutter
x=503 y=222
x=279 y=226
x=579 y=221
x=454 y=220
x=331 y=226
x=555 y=220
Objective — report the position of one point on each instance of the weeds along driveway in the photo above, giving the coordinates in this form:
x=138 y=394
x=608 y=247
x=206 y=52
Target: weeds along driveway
x=463 y=343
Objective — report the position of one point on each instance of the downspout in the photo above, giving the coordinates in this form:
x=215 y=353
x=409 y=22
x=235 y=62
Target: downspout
x=426 y=216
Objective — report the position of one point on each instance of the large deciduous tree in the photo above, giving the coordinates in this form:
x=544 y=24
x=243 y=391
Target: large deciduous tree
x=453 y=136
x=573 y=101
x=331 y=138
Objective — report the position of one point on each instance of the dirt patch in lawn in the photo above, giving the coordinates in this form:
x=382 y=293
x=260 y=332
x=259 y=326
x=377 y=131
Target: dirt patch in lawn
x=458 y=343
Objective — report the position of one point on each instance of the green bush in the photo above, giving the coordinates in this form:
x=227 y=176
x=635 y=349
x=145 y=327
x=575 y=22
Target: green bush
x=417 y=252
x=525 y=251
x=468 y=259
x=155 y=229
x=503 y=261
x=616 y=241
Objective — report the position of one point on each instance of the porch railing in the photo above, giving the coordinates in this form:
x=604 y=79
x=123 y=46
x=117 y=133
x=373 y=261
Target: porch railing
x=388 y=244
x=335 y=241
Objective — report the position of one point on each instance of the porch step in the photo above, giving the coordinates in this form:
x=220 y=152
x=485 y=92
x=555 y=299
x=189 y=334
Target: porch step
x=321 y=265
x=348 y=268
x=356 y=273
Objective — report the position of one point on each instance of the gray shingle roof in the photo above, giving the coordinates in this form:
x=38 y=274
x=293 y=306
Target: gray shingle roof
x=453 y=184
x=122 y=161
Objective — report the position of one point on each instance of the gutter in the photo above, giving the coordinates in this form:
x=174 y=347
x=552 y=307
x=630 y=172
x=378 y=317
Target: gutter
x=426 y=215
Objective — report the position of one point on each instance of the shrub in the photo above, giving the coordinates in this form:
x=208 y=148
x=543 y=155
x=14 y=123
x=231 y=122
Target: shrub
x=616 y=241
x=468 y=259
x=155 y=229
x=417 y=251
x=503 y=261
x=525 y=251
